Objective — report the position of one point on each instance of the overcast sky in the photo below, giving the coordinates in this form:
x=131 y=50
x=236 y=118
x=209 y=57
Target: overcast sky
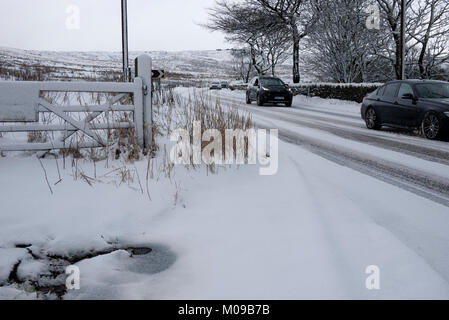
x=153 y=25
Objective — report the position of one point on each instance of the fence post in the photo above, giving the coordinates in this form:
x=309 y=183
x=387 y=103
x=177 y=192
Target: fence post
x=144 y=67
x=138 y=111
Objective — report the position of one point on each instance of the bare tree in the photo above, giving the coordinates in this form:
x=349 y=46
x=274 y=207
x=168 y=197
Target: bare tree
x=426 y=35
x=278 y=46
x=297 y=17
x=247 y=24
x=269 y=49
x=340 y=44
x=430 y=33
x=259 y=53
x=391 y=44
x=242 y=64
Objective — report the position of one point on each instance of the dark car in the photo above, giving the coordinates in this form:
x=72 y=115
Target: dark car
x=415 y=104
x=268 y=90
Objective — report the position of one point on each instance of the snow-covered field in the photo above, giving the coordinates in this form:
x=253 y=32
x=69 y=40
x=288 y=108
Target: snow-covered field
x=308 y=232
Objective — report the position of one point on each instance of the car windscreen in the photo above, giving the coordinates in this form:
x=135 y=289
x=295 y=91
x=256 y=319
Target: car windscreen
x=271 y=82
x=433 y=90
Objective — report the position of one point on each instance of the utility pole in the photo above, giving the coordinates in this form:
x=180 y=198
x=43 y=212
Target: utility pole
x=403 y=40
x=126 y=75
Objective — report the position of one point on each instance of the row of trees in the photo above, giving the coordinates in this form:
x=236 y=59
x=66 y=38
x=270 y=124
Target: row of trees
x=339 y=40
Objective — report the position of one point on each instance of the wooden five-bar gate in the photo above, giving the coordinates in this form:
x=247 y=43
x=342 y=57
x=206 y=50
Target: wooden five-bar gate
x=22 y=101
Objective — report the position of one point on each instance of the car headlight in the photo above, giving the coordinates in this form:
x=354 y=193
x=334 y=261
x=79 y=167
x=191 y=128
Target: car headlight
x=265 y=89
x=446 y=113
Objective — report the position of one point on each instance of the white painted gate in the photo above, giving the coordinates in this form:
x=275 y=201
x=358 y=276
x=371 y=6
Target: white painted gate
x=21 y=102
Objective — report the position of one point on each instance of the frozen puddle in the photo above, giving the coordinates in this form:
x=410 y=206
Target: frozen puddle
x=101 y=273
x=159 y=259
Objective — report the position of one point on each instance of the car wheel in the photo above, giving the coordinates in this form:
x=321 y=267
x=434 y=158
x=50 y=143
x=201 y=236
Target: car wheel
x=431 y=127
x=288 y=104
x=248 y=100
x=372 y=120
x=259 y=101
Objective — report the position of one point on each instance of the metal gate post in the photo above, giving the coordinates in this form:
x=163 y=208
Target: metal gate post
x=144 y=66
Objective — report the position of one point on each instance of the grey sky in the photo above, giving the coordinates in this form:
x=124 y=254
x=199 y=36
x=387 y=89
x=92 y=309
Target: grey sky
x=154 y=25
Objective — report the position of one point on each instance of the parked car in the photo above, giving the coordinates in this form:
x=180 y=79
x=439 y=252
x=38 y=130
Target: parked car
x=422 y=104
x=269 y=90
x=215 y=86
x=224 y=84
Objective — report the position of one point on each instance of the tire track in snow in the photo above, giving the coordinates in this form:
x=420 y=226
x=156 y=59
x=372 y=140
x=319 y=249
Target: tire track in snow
x=419 y=183
x=330 y=113
x=408 y=238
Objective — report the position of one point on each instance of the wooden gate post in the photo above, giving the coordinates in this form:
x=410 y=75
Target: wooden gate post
x=144 y=66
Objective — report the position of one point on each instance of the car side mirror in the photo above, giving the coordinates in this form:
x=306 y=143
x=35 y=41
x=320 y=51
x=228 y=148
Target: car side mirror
x=408 y=96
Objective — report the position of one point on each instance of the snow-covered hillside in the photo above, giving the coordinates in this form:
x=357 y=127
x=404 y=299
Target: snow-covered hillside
x=63 y=65
x=181 y=65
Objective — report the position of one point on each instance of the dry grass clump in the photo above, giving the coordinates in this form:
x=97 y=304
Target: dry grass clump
x=182 y=113
x=212 y=115
x=163 y=96
x=72 y=151
x=37 y=137
x=41 y=136
x=125 y=144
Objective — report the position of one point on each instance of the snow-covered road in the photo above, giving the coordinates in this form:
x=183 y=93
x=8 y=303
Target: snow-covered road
x=334 y=130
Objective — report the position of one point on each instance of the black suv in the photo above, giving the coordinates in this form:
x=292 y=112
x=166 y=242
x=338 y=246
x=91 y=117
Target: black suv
x=269 y=90
x=422 y=104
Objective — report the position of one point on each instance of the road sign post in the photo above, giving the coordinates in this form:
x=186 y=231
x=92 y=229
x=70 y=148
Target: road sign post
x=126 y=73
x=158 y=74
x=403 y=38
